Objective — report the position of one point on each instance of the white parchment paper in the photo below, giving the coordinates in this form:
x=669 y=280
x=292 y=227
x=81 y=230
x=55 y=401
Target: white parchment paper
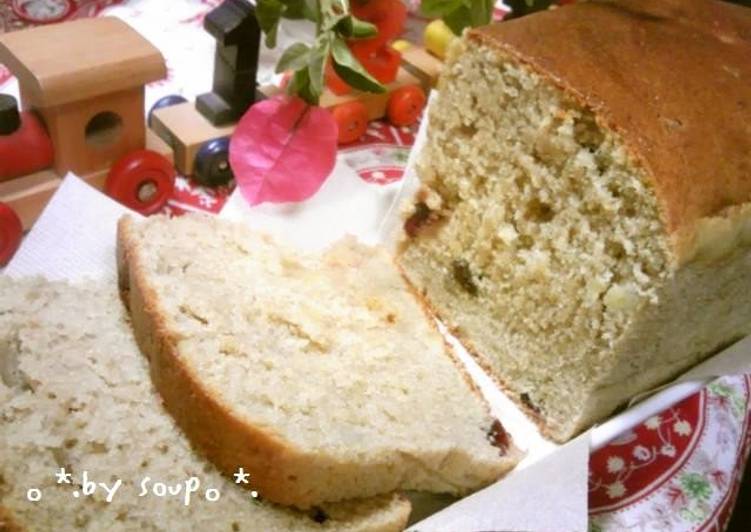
x=74 y=239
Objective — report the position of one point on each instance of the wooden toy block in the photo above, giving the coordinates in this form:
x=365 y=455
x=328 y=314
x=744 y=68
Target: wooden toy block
x=155 y=143
x=438 y=37
x=234 y=26
x=93 y=135
x=185 y=130
x=421 y=63
x=78 y=60
x=85 y=78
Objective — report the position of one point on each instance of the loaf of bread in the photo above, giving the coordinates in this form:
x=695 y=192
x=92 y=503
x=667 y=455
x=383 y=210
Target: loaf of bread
x=75 y=393
x=583 y=223
x=320 y=374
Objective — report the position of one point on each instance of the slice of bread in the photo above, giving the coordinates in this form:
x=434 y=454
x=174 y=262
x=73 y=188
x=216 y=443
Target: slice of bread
x=320 y=374
x=584 y=221
x=75 y=393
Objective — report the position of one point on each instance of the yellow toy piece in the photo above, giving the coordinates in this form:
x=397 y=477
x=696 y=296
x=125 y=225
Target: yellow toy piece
x=401 y=45
x=437 y=38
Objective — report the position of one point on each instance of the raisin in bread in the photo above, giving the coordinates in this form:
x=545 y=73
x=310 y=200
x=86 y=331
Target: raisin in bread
x=75 y=393
x=320 y=374
x=583 y=223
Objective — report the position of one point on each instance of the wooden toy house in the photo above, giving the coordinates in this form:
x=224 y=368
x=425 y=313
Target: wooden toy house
x=86 y=80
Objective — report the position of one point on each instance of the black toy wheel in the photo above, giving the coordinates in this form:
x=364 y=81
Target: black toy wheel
x=165 y=101
x=211 y=167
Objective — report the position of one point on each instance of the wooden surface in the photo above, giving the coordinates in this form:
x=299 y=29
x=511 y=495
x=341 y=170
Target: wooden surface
x=77 y=152
x=183 y=128
x=79 y=60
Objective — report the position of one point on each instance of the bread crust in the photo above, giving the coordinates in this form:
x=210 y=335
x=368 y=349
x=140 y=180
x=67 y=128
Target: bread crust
x=7 y=524
x=670 y=77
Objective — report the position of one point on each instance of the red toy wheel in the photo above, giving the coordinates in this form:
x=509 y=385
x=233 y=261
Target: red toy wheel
x=352 y=119
x=142 y=180
x=406 y=105
x=11 y=232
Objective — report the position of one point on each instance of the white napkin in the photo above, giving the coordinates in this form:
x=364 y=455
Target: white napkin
x=74 y=239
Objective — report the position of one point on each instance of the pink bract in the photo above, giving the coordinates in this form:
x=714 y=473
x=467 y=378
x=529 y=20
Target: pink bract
x=282 y=150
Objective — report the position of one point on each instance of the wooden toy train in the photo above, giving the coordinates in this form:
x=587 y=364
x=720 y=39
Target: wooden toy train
x=83 y=112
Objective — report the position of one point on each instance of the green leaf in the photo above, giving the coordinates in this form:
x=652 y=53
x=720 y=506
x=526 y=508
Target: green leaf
x=362 y=29
x=439 y=8
x=301 y=10
x=298 y=79
x=350 y=70
x=295 y=9
x=520 y=8
x=294 y=57
x=353 y=27
x=300 y=85
x=481 y=12
x=268 y=14
x=311 y=10
x=317 y=65
x=459 y=19
x=332 y=12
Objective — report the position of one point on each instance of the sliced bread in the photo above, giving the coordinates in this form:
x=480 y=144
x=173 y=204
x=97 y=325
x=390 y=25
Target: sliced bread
x=320 y=374
x=75 y=393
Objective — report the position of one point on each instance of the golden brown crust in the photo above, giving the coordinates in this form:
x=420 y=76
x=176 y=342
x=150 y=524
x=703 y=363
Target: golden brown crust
x=7 y=524
x=225 y=440
x=671 y=77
